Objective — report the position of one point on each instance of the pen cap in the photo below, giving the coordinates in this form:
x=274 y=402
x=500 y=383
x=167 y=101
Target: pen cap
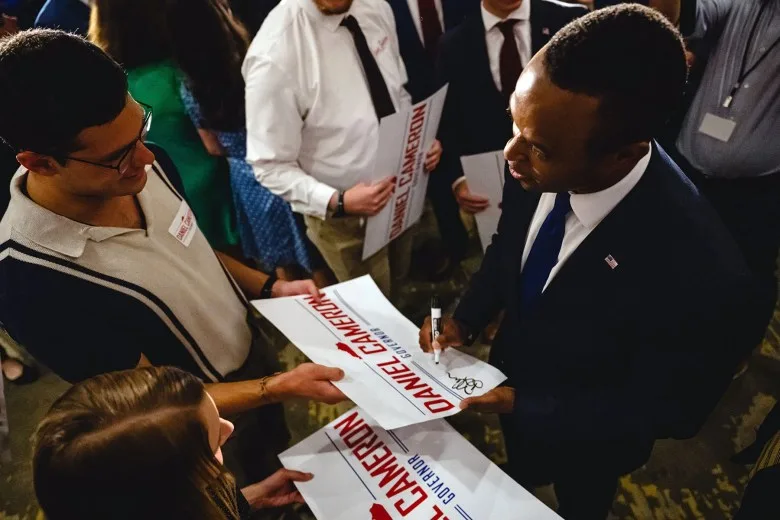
x=435 y=302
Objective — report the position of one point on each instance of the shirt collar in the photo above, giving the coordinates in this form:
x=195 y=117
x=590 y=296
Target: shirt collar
x=329 y=21
x=521 y=13
x=48 y=229
x=592 y=208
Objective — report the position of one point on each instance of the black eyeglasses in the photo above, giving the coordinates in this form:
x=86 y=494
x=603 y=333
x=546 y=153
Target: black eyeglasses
x=126 y=160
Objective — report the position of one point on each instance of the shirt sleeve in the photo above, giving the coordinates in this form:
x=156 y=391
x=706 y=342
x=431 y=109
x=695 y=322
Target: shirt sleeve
x=274 y=126
x=711 y=15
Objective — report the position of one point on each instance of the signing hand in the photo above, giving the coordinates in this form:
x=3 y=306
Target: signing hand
x=498 y=400
x=368 y=199
x=433 y=156
x=469 y=202
x=277 y=490
x=453 y=334
x=308 y=381
x=284 y=288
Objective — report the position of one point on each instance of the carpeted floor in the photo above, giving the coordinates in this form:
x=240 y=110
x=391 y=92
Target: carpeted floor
x=683 y=480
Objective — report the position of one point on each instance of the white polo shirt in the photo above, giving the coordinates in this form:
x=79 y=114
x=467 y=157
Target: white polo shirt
x=85 y=300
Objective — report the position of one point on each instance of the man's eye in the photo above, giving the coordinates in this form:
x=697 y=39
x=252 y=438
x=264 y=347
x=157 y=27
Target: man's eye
x=538 y=153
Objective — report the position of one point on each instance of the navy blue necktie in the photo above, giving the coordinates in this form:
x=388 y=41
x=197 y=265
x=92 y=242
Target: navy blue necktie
x=544 y=252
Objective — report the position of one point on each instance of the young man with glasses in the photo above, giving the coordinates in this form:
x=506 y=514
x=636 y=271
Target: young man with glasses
x=102 y=266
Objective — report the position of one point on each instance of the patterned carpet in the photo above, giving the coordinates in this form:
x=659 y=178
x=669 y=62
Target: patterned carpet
x=683 y=480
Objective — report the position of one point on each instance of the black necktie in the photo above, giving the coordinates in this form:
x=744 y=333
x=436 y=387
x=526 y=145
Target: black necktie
x=544 y=252
x=380 y=96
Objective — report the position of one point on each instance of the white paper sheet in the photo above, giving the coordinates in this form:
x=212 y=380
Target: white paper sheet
x=421 y=472
x=386 y=372
x=404 y=139
x=485 y=175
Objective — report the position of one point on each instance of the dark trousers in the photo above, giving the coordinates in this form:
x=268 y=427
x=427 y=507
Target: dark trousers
x=584 y=479
x=750 y=209
x=445 y=208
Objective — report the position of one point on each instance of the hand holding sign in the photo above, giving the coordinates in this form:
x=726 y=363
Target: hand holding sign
x=369 y=199
x=308 y=381
x=433 y=156
x=468 y=201
x=498 y=400
x=277 y=490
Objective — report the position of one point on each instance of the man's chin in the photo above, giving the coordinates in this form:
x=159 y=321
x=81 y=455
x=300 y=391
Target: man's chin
x=135 y=185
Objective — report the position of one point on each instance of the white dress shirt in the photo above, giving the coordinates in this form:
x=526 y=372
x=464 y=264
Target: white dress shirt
x=311 y=124
x=495 y=38
x=587 y=211
x=414 y=8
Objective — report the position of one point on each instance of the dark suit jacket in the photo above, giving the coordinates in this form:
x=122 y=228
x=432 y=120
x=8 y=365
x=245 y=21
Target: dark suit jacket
x=475 y=119
x=418 y=61
x=631 y=354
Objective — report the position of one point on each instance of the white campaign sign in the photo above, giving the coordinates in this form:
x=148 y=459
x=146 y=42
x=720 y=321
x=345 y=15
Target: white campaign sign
x=404 y=139
x=355 y=328
x=485 y=175
x=421 y=472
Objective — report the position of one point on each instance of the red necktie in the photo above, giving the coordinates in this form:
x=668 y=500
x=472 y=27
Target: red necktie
x=431 y=28
x=509 y=59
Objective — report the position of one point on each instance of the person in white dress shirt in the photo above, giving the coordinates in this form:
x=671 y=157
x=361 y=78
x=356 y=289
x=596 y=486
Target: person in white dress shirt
x=313 y=123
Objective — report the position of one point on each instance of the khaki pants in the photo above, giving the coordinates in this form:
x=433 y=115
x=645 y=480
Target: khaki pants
x=340 y=240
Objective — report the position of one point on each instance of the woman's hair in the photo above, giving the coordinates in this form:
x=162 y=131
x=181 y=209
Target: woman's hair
x=131 y=445
x=201 y=37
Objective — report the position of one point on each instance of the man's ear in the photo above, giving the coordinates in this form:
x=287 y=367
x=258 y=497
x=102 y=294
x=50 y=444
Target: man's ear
x=629 y=154
x=38 y=163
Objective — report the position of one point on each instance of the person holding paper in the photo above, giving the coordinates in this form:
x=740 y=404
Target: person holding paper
x=481 y=60
x=145 y=443
x=103 y=266
x=628 y=305
x=320 y=74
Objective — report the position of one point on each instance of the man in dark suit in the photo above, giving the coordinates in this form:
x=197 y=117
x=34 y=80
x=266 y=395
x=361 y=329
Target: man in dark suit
x=420 y=25
x=627 y=302
x=481 y=66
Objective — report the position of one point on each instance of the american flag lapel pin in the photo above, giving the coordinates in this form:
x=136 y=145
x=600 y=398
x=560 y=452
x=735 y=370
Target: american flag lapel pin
x=611 y=262
x=546 y=31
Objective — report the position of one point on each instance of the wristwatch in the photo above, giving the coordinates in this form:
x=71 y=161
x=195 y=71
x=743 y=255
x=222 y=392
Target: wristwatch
x=340 y=212
x=268 y=286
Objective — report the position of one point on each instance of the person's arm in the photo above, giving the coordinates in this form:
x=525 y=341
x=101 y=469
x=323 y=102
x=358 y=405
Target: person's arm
x=252 y=281
x=697 y=18
x=274 y=126
x=483 y=298
x=276 y=491
x=450 y=131
x=307 y=381
x=449 y=127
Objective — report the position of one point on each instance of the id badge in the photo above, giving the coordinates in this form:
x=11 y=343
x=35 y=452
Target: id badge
x=717 y=127
x=184 y=225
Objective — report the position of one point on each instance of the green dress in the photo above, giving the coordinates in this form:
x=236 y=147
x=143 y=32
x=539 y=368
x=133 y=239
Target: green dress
x=206 y=178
